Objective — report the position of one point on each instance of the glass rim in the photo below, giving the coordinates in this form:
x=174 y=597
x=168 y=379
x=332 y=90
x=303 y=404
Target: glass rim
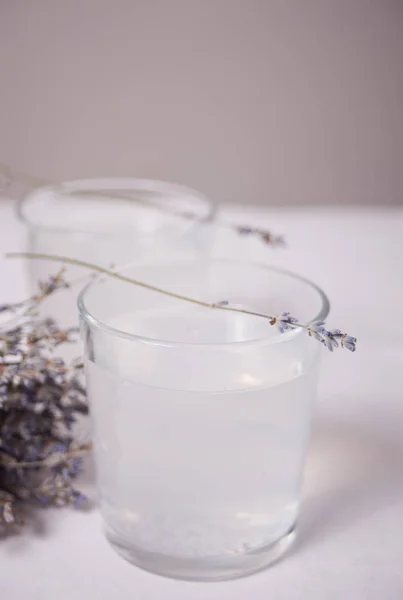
x=132 y=184
x=266 y=340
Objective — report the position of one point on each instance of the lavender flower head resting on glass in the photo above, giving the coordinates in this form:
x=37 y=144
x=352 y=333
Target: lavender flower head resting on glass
x=331 y=338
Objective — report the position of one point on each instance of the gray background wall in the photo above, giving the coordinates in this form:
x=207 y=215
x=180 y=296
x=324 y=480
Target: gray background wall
x=253 y=101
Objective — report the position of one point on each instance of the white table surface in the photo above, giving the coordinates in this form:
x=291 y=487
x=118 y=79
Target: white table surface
x=350 y=542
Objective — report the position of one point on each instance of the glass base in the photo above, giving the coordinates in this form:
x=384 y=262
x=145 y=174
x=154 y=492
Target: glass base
x=212 y=568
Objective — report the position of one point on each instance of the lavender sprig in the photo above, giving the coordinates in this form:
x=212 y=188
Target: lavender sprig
x=266 y=236
x=331 y=338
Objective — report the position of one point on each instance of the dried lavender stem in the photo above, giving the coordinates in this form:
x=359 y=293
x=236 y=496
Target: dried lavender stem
x=284 y=322
x=105 y=271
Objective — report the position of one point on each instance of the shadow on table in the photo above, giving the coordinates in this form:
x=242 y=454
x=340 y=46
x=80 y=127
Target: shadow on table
x=353 y=470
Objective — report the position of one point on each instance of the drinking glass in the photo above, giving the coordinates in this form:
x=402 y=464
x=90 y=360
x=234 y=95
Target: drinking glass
x=200 y=415
x=111 y=222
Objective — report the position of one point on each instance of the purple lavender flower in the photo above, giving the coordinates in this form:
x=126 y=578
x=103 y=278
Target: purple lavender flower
x=263 y=234
x=316 y=329
x=60 y=446
x=79 y=500
x=5 y=307
x=349 y=342
x=331 y=338
x=53 y=283
x=328 y=340
x=75 y=465
x=244 y=230
x=284 y=322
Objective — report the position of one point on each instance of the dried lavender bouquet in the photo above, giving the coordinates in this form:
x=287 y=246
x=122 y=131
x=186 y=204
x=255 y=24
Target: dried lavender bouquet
x=40 y=398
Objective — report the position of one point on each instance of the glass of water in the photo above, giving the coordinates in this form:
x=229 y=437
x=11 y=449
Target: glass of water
x=200 y=416
x=111 y=222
